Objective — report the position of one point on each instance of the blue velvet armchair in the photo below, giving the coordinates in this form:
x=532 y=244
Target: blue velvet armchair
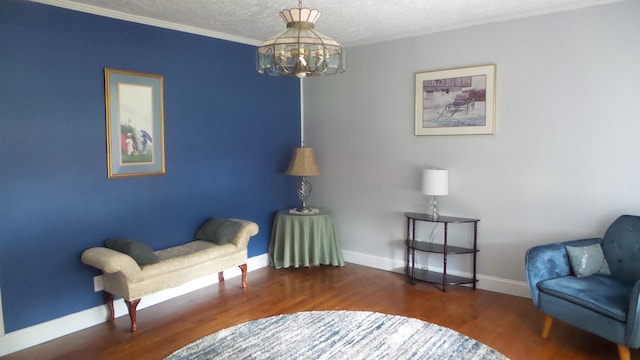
x=605 y=303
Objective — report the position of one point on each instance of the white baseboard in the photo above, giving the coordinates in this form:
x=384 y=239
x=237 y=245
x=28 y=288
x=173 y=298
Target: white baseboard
x=485 y=282
x=1 y=317
x=37 y=334
x=40 y=333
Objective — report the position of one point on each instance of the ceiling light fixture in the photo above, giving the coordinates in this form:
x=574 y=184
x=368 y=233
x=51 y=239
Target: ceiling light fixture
x=300 y=50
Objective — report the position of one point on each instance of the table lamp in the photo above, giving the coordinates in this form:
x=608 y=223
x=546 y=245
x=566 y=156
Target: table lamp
x=303 y=164
x=435 y=182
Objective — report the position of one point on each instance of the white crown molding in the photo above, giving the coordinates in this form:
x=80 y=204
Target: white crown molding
x=146 y=21
x=366 y=30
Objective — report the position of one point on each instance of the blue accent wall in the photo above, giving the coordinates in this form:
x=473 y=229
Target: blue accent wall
x=229 y=134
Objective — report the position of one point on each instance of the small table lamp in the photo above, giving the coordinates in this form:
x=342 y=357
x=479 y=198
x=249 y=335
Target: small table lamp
x=435 y=182
x=303 y=164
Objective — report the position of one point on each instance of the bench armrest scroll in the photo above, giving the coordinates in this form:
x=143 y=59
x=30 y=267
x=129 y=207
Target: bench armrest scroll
x=111 y=261
x=249 y=229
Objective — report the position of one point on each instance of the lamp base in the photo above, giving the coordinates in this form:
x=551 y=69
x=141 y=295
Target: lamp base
x=434 y=211
x=304 y=211
x=304 y=189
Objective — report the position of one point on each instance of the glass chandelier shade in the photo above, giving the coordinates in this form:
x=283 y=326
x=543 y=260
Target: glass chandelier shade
x=300 y=50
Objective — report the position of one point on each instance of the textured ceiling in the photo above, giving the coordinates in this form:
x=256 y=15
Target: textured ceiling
x=351 y=23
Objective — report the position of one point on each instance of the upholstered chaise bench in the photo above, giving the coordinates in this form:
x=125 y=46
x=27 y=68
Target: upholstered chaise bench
x=132 y=270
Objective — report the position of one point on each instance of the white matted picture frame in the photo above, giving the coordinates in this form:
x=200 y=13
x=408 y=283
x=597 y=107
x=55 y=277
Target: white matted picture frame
x=456 y=101
x=135 y=123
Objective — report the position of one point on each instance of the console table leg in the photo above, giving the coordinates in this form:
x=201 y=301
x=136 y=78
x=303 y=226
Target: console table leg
x=413 y=250
x=444 y=255
x=408 y=256
x=475 y=252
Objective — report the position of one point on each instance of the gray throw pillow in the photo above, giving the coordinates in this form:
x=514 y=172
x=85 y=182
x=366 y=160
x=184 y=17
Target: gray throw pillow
x=587 y=260
x=208 y=230
x=138 y=250
x=219 y=231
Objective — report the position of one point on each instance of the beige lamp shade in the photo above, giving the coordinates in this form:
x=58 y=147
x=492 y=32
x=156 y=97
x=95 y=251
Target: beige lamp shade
x=303 y=163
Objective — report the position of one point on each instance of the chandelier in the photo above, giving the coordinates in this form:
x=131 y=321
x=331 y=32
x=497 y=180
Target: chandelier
x=300 y=50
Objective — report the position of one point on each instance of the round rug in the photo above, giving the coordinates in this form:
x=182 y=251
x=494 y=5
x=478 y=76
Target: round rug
x=336 y=335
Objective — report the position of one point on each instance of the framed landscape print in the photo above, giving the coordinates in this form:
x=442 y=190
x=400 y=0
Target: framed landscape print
x=135 y=123
x=456 y=101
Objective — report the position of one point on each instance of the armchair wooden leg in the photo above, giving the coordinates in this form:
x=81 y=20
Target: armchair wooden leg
x=548 y=320
x=624 y=352
x=243 y=268
x=221 y=277
x=132 y=306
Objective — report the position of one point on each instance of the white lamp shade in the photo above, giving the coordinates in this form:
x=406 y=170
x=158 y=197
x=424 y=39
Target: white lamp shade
x=435 y=182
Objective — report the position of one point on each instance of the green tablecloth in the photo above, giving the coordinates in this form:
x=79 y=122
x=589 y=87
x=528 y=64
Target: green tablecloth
x=304 y=240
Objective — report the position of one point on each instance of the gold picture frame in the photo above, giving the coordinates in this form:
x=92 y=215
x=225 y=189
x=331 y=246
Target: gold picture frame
x=456 y=101
x=135 y=123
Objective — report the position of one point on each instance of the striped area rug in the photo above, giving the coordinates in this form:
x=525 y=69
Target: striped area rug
x=337 y=335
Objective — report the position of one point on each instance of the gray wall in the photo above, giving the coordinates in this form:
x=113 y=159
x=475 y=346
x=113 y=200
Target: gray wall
x=563 y=163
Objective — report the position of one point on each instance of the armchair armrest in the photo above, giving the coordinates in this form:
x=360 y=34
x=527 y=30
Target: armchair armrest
x=241 y=239
x=632 y=333
x=111 y=261
x=549 y=261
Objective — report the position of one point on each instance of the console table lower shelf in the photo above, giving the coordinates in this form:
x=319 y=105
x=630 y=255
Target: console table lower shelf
x=437 y=277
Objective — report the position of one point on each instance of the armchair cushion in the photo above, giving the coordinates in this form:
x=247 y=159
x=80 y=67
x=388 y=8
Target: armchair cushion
x=604 y=294
x=587 y=260
x=550 y=261
x=139 y=251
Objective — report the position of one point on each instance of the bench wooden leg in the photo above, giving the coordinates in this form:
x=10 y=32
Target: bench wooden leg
x=132 y=306
x=243 y=268
x=548 y=320
x=624 y=352
x=109 y=300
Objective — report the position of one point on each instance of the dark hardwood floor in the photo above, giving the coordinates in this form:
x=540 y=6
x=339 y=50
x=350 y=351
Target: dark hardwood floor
x=507 y=323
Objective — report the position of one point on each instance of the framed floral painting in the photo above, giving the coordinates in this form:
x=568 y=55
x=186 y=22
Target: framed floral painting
x=135 y=123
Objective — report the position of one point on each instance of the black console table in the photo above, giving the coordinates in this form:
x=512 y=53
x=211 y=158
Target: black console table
x=413 y=245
